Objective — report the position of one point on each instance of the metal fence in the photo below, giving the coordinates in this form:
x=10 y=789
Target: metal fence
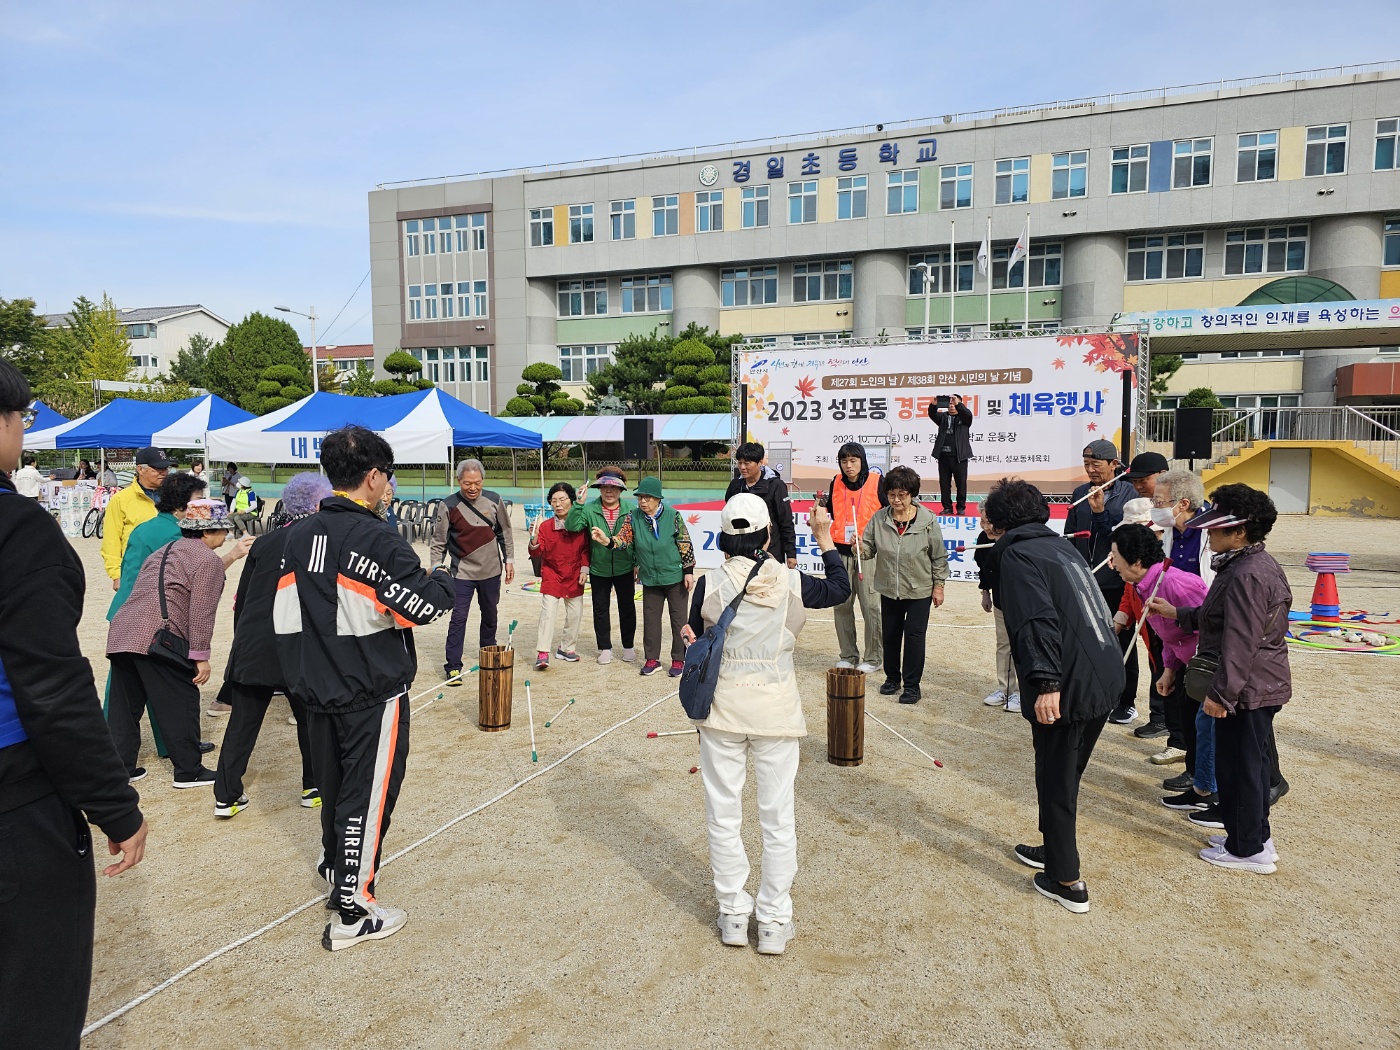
x=1376 y=430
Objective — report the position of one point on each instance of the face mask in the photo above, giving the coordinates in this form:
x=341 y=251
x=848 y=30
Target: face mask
x=1163 y=517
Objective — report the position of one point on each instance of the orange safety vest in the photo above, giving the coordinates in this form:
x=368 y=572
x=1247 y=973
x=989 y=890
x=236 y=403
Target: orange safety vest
x=853 y=508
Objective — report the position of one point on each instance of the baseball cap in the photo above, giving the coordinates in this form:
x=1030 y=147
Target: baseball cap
x=1214 y=518
x=1147 y=464
x=1101 y=449
x=152 y=457
x=743 y=514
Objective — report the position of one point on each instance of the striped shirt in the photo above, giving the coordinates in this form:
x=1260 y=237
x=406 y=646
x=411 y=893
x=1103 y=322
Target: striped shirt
x=194 y=582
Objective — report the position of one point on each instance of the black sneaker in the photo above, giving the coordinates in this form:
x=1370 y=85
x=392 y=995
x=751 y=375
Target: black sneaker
x=204 y=778
x=1189 y=801
x=1276 y=793
x=1034 y=856
x=1207 y=818
x=205 y=746
x=911 y=695
x=1180 y=782
x=1075 y=898
x=139 y=773
x=1121 y=716
x=890 y=687
x=1150 y=730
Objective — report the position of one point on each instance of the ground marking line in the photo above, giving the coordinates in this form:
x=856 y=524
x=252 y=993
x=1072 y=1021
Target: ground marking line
x=169 y=981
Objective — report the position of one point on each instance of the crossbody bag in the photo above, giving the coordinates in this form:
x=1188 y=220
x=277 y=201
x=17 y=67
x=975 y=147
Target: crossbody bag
x=167 y=646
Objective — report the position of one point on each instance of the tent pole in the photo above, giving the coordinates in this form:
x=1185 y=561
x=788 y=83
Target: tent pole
x=514 y=473
x=658 y=464
x=584 y=446
x=423 y=483
x=543 y=500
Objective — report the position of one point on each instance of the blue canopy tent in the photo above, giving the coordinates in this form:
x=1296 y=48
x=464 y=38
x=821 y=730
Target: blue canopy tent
x=46 y=418
x=124 y=423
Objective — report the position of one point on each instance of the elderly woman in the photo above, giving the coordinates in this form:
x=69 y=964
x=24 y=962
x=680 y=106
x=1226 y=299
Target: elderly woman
x=757 y=711
x=911 y=569
x=254 y=672
x=563 y=572
x=1245 y=678
x=179 y=589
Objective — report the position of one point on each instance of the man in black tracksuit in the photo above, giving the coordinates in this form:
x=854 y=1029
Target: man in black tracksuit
x=1069 y=667
x=351 y=591
x=58 y=768
x=953 y=448
x=767 y=485
x=1098 y=515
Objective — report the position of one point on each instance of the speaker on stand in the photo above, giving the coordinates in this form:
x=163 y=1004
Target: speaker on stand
x=1192 y=438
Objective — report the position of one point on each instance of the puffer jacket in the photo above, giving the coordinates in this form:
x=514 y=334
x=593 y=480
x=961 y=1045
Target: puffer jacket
x=906 y=566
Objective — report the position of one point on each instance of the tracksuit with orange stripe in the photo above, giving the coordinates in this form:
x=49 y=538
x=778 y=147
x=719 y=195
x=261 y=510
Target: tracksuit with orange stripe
x=350 y=593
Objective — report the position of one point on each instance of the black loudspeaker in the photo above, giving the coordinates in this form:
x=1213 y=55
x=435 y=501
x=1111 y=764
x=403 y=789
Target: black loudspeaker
x=636 y=439
x=1193 y=430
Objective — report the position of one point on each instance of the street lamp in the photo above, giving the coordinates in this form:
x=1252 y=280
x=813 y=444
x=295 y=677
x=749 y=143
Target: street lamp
x=315 y=380
x=928 y=288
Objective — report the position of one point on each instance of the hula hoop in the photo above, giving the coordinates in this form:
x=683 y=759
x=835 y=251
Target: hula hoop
x=1392 y=644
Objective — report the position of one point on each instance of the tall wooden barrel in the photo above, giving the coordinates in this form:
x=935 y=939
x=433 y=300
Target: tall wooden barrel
x=845 y=716
x=495 y=681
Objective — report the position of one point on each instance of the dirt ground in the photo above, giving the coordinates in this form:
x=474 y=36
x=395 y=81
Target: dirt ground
x=578 y=911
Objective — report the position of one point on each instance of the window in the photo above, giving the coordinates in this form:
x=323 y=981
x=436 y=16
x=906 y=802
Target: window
x=851 y=192
x=1257 y=160
x=1232 y=355
x=749 y=286
x=1166 y=256
x=1013 y=181
x=818 y=338
x=802 y=202
x=447 y=300
x=449 y=365
x=431 y=369
x=471 y=232
x=1191 y=163
x=1044 y=263
x=1387 y=157
x=412 y=246
x=140 y=331
x=666 y=216
x=1266 y=249
x=1326 y=150
x=821 y=281
x=471 y=298
x=481 y=357
x=1392 y=242
x=583 y=298
x=954 y=186
x=1069 y=175
x=541 y=227
x=709 y=211
x=902 y=191
x=623 y=215
x=755 y=207
x=941 y=273
x=1129 y=169
x=579 y=362
x=646 y=294
x=580 y=223
x=430 y=237
x=415 y=302
x=430 y=303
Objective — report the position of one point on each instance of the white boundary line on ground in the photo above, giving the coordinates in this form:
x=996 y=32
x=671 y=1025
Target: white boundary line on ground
x=151 y=993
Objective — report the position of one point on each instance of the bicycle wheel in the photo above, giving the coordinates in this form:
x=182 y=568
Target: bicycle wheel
x=90 y=521
x=101 y=522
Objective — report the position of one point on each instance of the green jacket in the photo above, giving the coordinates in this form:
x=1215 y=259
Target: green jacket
x=146 y=538
x=905 y=566
x=660 y=562
x=602 y=561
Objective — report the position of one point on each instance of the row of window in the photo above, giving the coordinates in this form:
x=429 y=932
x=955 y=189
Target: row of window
x=445 y=235
x=455 y=364
x=448 y=300
x=1243 y=401
x=1254 y=249
x=140 y=331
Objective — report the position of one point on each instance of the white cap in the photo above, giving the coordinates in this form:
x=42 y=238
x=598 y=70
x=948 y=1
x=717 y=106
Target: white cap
x=1137 y=512
x=243 y=482
x=743 y=514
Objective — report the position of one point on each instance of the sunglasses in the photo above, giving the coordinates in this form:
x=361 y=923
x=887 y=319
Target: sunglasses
x=28 y=414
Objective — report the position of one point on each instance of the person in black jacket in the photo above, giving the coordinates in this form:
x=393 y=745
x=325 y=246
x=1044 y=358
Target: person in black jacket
x=1067 y=659
x=1097 y=513
x=253 y=673
x=350 y=593
x=1006 y=695
x=58 y=767
x=953 y=448
x=765 y=483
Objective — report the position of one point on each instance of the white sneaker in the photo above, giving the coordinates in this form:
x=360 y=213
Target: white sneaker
x=844 y=665
x=1262 y=863
x=1217 y=842
x=996 y=699
x=291 y=720
x=1013 y=703
x=1167 y=756
x=605 y=656
x=866 y=667
x=734 y=929
x=629 y=656
x=773 y=937
x=379 y=922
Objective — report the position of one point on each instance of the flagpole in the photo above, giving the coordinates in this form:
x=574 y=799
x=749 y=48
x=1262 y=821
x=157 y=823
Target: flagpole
x=988 y=275
x=952 y=277
x=1026 y=275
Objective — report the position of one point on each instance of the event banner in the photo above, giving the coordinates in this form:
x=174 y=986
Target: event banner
x=1036 y=401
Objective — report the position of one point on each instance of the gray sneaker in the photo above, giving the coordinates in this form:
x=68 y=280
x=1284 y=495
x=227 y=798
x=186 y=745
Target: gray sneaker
x=734 y=929
x=773 y=937
x=376 y=924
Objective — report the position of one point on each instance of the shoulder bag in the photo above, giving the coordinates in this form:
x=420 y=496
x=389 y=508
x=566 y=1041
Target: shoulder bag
x=167 y=646
x=700 y=674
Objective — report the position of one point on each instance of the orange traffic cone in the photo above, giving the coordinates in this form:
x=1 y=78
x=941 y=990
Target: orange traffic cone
x=1325 y=603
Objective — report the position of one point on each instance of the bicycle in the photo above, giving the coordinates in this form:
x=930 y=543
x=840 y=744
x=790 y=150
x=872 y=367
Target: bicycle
x=93 y=522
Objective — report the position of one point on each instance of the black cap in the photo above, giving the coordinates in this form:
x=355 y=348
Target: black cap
x=152 y=457
x=1147 y=464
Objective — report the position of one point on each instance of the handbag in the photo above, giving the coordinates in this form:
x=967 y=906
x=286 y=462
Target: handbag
x=700 y=673
x=167 y=646
x=1200 y=673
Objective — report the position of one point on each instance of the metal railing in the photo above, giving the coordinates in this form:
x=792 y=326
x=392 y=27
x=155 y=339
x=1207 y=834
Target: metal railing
x=1375 y=430
x=779 y=141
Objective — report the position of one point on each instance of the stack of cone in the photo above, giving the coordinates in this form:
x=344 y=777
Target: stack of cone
x=1326 y=605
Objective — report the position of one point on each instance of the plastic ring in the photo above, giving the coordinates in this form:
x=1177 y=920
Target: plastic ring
x=1392 y=644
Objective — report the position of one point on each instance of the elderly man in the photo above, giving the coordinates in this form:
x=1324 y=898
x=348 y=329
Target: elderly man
x=129 y=508
x=473 y=534
x=1144 y=471
x=1096 y=508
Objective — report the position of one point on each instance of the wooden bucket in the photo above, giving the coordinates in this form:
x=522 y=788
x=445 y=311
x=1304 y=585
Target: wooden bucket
x=495 y=681
x=845 y=716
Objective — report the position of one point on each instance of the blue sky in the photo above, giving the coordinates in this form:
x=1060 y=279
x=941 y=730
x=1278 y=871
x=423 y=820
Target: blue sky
x=221 y=152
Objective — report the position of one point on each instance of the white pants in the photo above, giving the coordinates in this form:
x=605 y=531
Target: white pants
x=1006 y=670
x=723 y=764
x=549 y=621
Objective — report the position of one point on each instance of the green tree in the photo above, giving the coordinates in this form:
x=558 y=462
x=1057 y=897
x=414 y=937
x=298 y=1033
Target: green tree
x=279 y=386
x=233 y=368
x=23 y=338
x=188 y=366
x=361 y=384
x=108 y=354
x=642 y=366
x=1163 y=367
x=401 y=366
x=541 y=395
x=1201 y=397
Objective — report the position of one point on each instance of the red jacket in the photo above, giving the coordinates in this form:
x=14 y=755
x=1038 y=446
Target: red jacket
x=563 y=556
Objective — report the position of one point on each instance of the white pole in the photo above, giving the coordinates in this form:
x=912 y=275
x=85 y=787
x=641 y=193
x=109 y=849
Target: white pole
x=1026 y=275
x=953 y=277
x=928 y=290
x=315 y=379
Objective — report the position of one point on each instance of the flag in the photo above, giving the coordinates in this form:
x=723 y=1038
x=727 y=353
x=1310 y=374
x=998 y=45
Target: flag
x=984 y=257
x=1023 y=246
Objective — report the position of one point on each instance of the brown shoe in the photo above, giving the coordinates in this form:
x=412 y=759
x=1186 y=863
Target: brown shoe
x=217 y=708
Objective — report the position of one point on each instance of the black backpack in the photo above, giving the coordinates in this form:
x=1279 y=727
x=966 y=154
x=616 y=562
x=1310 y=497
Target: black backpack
x=700 y=674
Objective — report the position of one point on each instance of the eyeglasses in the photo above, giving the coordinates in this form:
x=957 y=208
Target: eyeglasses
x=28 y=414
x=1169 y=503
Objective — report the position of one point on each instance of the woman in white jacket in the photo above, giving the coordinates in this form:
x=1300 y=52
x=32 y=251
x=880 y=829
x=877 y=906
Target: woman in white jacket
x=757 y=710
